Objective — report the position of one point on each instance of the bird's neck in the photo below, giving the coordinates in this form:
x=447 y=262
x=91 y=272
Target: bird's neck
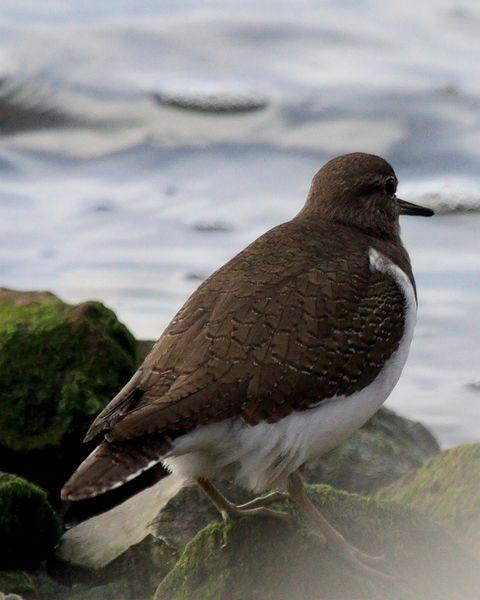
x=382 y=230
x=375 y=226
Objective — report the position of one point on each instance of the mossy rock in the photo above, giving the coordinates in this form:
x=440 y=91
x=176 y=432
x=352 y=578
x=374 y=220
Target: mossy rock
x=263 y=559
x=384 y=449
x=59 y=366
x=111 y=591
x=134 y=574
x=29 y=527
x=16 y=582
x=142 y=566
x=447 y=489
x=31 y=585
x=190 y=510
x=46 y=588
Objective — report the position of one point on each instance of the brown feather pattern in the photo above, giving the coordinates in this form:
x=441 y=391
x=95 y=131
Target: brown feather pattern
x=295 y=318
x=111 y=465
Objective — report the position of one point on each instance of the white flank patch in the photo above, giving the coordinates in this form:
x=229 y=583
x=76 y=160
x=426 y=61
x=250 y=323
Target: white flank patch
x=262 y=456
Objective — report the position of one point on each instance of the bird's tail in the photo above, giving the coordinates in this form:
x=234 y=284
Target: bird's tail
x=112 y=464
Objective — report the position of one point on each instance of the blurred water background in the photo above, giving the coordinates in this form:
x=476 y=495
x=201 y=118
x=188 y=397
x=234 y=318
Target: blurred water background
x=143 y=143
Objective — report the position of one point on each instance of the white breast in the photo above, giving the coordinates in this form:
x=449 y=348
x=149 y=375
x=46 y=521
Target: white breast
x=264 y=455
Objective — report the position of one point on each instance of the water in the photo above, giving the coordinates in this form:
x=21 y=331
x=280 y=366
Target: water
x=107 y=192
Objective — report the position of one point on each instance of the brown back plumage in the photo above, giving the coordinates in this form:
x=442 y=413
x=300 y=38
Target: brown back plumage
x=295 y=318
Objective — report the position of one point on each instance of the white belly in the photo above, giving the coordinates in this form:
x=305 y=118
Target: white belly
x=263 y=455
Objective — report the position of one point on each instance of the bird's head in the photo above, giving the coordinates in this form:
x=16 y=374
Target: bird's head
x=360 y=190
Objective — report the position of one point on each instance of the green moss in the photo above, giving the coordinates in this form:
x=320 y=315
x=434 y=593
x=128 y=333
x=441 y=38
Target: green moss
x=447 y=489
x=59 y=366
x=16 y=582
x=56 y=364
x=29 y=528
x=263 y=559
x=191 y=572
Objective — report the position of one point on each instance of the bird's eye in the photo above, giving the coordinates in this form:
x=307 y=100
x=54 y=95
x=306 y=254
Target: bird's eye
x=390 y=186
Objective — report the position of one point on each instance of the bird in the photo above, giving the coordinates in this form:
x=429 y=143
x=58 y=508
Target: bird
x=276 y=358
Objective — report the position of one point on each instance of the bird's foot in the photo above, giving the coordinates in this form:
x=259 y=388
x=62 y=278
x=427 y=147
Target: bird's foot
x=361 y=561
x=232 y=511
x=364 y=563
x=255 y=508
x=264 y=500
x=368 y=559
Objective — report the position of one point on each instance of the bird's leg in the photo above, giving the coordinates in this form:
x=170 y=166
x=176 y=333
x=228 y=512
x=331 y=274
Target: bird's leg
x=264 y=500
x=228 y=510
x=355 y=557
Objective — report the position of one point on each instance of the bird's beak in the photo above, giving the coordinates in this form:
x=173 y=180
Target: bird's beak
x=408 y=208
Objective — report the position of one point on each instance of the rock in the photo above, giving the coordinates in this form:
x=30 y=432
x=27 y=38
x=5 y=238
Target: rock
x=29 y=528
x=384 y=449
x=184 y=516
x=15 y=582
x=59 y=365
x=189 y=511
x=136 y=582
x=98 y=541
x=265 y=559
x=121 y=589
x=31 y=585
x=142 y=566
x=133 y=575
x=447 y=489
x=110 y=591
